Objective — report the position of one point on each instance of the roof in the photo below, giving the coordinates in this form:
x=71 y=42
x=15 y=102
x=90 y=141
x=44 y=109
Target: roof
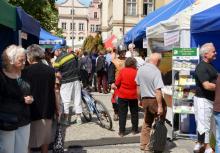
x=7 y=14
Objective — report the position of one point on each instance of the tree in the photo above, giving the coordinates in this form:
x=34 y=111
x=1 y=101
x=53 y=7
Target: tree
x=91 y=43
x=42 y=10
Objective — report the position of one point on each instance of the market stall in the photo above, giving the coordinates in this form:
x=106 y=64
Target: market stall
x=205 y=27
x=28 y=28
x=138 y=33
x=8 y=25
x=175 y=32
x=47 y=38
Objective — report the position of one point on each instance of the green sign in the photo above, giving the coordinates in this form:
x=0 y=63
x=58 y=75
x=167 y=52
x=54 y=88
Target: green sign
x=184 y=52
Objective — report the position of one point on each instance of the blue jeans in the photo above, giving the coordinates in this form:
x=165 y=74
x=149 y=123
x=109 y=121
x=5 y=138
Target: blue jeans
x=217 y=122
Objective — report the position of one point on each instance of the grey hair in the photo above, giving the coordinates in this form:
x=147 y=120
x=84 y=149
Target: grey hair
x=35 y=53
x=131 y=62
x=131 y=46
x=205 y=48
x=10 y=55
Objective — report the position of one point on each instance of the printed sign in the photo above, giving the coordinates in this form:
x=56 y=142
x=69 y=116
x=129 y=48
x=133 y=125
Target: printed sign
x=171 y=38
x=184 y=52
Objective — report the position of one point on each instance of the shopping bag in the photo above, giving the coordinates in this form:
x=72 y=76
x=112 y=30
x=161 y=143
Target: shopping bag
x=158 y=136
x=58 y=146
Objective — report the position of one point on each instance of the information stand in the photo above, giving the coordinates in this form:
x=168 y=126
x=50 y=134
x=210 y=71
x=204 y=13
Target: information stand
x=184 y=61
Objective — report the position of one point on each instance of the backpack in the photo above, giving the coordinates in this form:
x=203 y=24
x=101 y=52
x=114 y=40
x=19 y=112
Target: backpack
x=101 y=64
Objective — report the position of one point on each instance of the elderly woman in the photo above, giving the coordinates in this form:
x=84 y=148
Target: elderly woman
x=14 y=103
x=127 y=95
x=42 y=80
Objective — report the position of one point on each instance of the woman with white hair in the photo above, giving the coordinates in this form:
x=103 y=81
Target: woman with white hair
x=15 y=100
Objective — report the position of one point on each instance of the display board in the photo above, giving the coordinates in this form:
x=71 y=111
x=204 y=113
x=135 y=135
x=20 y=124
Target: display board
x=184 y=61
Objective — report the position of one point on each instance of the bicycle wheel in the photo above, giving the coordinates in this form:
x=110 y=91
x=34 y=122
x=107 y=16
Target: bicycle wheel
x=85 y=111
x=103 y=115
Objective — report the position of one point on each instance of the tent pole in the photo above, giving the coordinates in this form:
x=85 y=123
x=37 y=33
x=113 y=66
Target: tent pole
x=19 y=38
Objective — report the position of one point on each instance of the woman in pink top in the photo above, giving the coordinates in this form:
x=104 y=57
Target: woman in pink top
x=127 y=95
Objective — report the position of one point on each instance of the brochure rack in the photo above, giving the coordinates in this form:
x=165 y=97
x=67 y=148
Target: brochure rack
x=184 y=61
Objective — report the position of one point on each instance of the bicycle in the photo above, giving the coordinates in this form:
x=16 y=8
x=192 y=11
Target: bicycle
x=92 y=106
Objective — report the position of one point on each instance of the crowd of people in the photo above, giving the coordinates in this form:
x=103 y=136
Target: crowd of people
x=37 y=85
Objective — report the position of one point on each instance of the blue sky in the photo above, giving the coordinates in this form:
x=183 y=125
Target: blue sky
x=83 y=1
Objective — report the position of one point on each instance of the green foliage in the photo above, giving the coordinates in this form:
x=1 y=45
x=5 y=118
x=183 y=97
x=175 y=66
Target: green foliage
x=91 y=43
x=42 y=10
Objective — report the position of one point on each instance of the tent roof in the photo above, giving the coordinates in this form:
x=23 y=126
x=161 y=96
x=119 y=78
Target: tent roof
x=27 y=23
x=163 y=13
x=48 y=38
x=7 y=14
x=208 y=20
x=180 y=21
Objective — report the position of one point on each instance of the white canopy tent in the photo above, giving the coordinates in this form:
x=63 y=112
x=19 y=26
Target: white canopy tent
x=175 y=32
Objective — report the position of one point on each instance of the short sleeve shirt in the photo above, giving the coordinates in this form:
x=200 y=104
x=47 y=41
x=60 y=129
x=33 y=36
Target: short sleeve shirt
x=205 y=72
x=149 y=79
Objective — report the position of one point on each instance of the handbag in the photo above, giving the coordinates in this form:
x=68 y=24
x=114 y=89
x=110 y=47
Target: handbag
x=24 y=86
x=158 y=135
x=58 y=146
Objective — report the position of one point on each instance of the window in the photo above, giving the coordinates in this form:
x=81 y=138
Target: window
x=72 y=37
x=148 y=7
x=97 y=27
x=95 y=15
x=72 y=11
x=131 y=7
x=92 y=28
x=72 y=26
x=81 y=38
x=81 y=26
x=63 y=24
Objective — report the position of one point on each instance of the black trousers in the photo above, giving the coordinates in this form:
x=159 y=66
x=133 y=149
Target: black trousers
x=123 y=110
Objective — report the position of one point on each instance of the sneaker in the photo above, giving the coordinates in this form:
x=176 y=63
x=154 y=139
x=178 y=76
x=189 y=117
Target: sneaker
x=121 y=134
x=115 y=117
x=197 y=148
x=209 y=150
x=78 y=121
x=134 y=132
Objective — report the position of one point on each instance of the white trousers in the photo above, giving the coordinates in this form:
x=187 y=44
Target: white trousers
x=71 y=92
x=203 y=114
x=15 y=141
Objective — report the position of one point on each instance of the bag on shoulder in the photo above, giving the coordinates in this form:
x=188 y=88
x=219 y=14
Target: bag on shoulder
x=101 y=64
x=158 y=136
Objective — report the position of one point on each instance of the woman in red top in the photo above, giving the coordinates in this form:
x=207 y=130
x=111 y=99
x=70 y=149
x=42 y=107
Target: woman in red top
x=127 y=95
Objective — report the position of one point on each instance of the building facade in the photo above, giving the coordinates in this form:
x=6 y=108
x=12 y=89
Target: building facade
x=78 y=20
x=73 y=19
x=94 y=17
x=119 y=16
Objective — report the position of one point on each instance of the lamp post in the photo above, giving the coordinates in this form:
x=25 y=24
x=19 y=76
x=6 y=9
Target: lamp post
x=73 y=12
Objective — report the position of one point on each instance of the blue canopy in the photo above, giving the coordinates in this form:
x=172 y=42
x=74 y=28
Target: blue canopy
x=138 y=32
x=27 y=23
x=205 y=27
x=47 y=38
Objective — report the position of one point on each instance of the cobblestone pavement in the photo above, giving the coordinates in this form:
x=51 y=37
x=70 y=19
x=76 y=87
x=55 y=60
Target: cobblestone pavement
x=91 y=138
